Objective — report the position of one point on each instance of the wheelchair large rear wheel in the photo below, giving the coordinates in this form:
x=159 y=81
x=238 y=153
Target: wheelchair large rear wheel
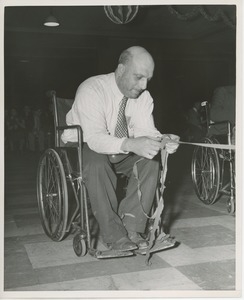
x=205 y=172
x=52 y=195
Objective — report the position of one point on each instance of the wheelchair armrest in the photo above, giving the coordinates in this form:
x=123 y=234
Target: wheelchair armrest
x=225 y=122
x=220 y=122
x=79 y=131
x=68 y=127
x=228 y=126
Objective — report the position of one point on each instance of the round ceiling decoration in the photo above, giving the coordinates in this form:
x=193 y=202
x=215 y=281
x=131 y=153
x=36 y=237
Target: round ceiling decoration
x=121 y=14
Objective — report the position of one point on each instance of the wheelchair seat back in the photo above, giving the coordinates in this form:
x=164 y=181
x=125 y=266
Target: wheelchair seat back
x=225 y=134
x=62 y=108
x=69 y=153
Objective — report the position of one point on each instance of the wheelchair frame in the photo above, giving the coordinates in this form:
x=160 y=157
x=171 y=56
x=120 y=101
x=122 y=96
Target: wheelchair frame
x=210 y=165
x=57 y=180
x=63 y=200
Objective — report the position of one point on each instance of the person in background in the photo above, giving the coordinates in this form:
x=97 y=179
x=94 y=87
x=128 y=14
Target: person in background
x=16 y=131
x=39 y=124
x=194 y=131
x=115 y=112
x=29 y=128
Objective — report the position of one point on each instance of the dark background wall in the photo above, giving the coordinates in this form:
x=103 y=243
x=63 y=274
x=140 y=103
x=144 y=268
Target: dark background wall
x=187 y=70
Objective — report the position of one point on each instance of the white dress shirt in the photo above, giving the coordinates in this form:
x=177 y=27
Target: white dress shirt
x=96 y=108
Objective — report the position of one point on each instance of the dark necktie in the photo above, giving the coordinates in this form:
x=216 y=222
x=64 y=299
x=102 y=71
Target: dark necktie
x=121 y=129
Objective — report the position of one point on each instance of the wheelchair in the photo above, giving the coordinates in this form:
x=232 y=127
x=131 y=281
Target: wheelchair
x=63 y=200
x=212 y=169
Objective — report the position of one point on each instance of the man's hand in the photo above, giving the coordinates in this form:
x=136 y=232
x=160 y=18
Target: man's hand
x=173 y=143
x=147 y=147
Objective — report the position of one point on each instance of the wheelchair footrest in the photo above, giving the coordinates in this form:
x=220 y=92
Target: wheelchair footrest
x=99 y=254
x=159 y=245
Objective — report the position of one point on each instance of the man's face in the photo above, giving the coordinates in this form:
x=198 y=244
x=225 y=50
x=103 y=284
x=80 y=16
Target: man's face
x=135 y=75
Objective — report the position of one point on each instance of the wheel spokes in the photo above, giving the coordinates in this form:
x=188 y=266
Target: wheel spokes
x=50 y=195
x=205 y=175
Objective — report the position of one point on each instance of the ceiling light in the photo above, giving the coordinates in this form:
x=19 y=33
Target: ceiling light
x=51 y=20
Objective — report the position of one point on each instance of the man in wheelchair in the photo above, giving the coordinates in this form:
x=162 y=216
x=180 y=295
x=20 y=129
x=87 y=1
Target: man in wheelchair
x=115 y=113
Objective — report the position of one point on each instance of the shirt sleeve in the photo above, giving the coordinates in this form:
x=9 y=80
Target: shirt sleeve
x=89 y=108
x=143 y=117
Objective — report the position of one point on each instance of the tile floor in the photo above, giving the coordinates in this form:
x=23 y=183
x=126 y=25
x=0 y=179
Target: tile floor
x=204 y=261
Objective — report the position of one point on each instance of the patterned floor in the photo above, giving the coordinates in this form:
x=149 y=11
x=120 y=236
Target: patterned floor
x=204 y=260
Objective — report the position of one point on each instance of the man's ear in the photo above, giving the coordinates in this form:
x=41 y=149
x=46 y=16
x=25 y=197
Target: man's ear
x=121 y=69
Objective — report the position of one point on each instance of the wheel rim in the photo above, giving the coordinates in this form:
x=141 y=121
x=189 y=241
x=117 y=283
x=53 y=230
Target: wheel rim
x=52 y=195
x=206 y=173
x=79 y=245
x=230 y=206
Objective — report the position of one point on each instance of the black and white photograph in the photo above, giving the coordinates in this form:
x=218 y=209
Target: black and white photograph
x=122 y=149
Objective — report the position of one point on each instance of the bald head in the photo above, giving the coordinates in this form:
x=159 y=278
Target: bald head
x=135 y=52
x=135 y=69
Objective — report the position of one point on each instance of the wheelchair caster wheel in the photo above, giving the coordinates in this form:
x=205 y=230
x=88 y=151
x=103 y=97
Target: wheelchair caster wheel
x=79 y=245
x=231 y=206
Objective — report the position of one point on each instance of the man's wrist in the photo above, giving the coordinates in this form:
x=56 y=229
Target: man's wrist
x=125 y=146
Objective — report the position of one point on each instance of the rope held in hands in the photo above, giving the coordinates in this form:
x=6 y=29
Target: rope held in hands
x=157 y=214
x=159 y=210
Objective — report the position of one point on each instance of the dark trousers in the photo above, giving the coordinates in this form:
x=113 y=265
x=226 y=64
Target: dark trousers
x=101 y=182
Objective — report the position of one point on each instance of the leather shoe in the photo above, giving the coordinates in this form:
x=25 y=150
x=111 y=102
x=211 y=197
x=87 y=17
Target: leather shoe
x=123 y=244
x=136 y=238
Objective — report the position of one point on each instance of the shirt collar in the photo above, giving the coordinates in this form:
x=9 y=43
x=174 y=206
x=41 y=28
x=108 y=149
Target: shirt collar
x=117 y=93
